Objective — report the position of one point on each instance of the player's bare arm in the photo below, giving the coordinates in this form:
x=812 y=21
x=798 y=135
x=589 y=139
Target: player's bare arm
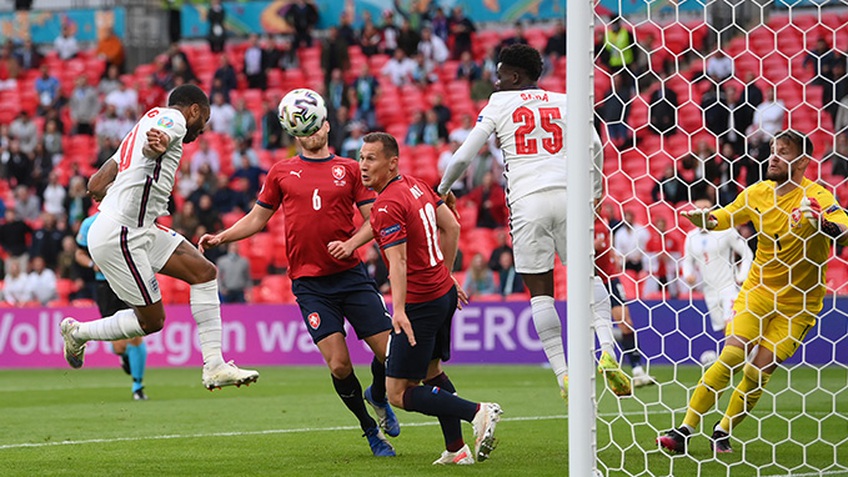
x=450 y=200
x=250 y=224
x=341 y=250
x=102 y=179
x=396 y=255
x=701 y=218
x=157 y=143
x=83 y=259
x=449 y=243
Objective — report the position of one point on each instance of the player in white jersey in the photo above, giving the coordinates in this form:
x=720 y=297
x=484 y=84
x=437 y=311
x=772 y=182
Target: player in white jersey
x=709 y=260
x=530 y=125
x=130 y=247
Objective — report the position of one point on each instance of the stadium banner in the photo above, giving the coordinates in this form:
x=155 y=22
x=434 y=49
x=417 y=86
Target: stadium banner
x=87 y=25
x=483 y=333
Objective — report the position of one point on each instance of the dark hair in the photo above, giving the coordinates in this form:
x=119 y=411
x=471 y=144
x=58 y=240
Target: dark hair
x=390 y=145
x=523 y=57
x=802 y=143
x=188 y=94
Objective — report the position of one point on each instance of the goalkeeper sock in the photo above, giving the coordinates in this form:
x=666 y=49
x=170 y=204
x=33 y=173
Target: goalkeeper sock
x=549 y=328
x=602 y=318
x=712 y=384
x=350 y=391
x=378 y=381
x=434 y=401
x=451 y=426
x=745 y=396
x=120 y=326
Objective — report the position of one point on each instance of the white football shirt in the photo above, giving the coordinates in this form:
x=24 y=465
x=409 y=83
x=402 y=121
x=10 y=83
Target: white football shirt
x=711 y=255
x=142 y=187
x=530 y=126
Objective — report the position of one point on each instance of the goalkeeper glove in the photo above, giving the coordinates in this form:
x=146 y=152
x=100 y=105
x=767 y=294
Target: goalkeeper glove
x=811 y=210
x=701 y=218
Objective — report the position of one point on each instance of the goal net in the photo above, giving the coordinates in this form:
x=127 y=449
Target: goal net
x=688 y=95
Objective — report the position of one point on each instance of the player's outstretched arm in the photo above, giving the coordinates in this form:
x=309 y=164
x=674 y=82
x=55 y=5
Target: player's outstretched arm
x=701 y=218
x=462 y=157
x=340 y=250
x=102 y=179
x=253 y=222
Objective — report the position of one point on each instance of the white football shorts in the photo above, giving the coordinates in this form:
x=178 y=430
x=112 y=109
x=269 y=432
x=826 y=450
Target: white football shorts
x=720 y=306
x=129 y=257
x=538 y=228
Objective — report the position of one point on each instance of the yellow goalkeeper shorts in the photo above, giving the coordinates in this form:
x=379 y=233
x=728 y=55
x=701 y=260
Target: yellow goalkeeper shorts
x=758 y=318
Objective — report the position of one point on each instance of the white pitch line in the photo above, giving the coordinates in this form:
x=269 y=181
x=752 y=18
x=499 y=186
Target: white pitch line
x=810 y=474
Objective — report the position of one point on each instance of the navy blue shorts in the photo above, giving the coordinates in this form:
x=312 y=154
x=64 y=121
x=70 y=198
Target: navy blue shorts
x=616 y=291
x=326 y=301
x=107 y=301
x=431 y=323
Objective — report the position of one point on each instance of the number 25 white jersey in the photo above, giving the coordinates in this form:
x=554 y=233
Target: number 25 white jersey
x=142 y=187
x=530 y=126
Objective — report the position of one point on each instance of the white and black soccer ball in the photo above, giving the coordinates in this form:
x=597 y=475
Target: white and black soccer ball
x=302 y=112
x=708 y=357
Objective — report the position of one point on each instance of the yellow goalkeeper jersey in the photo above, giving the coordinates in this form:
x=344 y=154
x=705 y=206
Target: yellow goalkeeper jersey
x=791 y=254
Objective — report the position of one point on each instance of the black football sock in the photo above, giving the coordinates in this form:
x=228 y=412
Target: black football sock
x=451 y=426
x=378 y=385
x=628 y=348
x=438 y=402
x=350 y=391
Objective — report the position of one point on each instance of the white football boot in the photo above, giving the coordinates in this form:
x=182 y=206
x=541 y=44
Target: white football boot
x=460 y=457
x=484 y=423
x=228 y=374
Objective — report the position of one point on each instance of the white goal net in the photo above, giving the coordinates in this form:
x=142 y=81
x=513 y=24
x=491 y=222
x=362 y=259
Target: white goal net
x=688 y=95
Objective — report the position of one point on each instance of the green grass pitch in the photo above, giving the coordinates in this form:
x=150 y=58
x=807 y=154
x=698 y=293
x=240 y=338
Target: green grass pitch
x=68 y=422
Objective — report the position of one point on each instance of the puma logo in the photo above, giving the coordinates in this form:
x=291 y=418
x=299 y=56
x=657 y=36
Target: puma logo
x=296 y=173
x=383 y=209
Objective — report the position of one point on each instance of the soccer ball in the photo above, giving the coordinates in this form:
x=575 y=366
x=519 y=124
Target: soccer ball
x=302 y=112
x=708 y=357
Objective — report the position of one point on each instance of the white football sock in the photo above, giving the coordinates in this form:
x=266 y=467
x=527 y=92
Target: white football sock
x=206 y=310
x=602 y=317
x=120 y=326
x=549 y=328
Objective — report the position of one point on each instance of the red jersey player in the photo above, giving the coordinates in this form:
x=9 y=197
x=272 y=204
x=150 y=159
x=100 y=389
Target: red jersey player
x=317 y=191
x=418 y=235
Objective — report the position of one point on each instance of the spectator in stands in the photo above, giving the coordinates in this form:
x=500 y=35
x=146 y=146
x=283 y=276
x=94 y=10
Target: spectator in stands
x=663 y=109
x=439 y=23
x=77 y=203
x=41 y=282
x=162 y=75
x=479 y=279
x=66 y=263
x=217 y=28
x=185 y=220
x=389 y=31
x=47 y=240
x=255 y=64
x=272 y=132
x=84 y=105
x=336 y=92
x=662 y=253
x=458 y=188
x=123 y=99
x=367 y=91
x=339 y=129
x=370 y=39
x=230 y=196
x=110 y=125
x=769 y=116
x=839 y=157
x=461 y=29
x=222 y=115
x=334 y=53
x=501 y=246
x=377 y=268
x=510 y=281
x=108 y=147
x=614 y=109
x=434 y=132
x=353 y=142
x=490 y=199
x=670 y=188
x=753 y=94
x=150 y=95
x=719 y=66
x=516 y=38
x=244 y=123
x=175 y=25
x=54 y=195
x=555 y=46
x=822 y=59
x=302 y=15
x=247 y=166
x=25 y=131
x=208 y=217
x=408 y=38
x=835 y=88
x=110 y=81
x=435 y=50
x=28 y=56
x=15 y=289
x=618 y=44
x=443 y=113
x=65 y=44
x=17 y=164
x=27 y=204
x=179 y=66
x=233 y=275
x=610 y=213
x=740 y=117
x=14 y=237
x=482 y=87
x=399 y=68
x=111 y=50
x=629 y=241
x=227 y=74
x=468 y=68
x=714 y=105
x=205 y=156
x=415 y=130
x=460 y=134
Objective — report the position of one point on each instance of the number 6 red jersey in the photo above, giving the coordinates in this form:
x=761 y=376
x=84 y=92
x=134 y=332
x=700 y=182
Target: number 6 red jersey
x=405 y=212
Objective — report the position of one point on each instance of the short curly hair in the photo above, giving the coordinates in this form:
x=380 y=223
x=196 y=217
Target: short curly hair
x=523 y=57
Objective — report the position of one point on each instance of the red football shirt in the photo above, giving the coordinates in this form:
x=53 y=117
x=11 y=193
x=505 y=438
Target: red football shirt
x=606 y=265
x=405 y=212
x=317 y=197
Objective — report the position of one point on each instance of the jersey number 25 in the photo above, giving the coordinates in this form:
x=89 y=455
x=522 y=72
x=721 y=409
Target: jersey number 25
x=526 y=117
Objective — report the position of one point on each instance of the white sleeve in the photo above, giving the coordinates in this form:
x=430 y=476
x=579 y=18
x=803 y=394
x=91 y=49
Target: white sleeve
x=688 y=257
x=598 y=171
x=738 y=244
x=462 y=157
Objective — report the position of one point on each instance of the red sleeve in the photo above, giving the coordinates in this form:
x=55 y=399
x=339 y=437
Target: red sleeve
x=271 y=196
x=362 y=194
x=389 y=224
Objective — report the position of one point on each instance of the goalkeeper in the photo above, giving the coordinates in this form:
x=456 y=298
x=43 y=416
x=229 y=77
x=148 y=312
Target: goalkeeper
x=796 y=219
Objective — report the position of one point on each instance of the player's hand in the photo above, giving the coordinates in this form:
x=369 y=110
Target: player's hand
x=400 y=322
x=690 y=280
x=340 y=250
x=811 y=210
x=208 y=241
x=157 y=141
x=701 y=218
x=462 y=297
x=450 y=200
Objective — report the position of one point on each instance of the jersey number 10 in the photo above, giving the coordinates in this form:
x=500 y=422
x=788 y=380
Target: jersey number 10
x=526 y=146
